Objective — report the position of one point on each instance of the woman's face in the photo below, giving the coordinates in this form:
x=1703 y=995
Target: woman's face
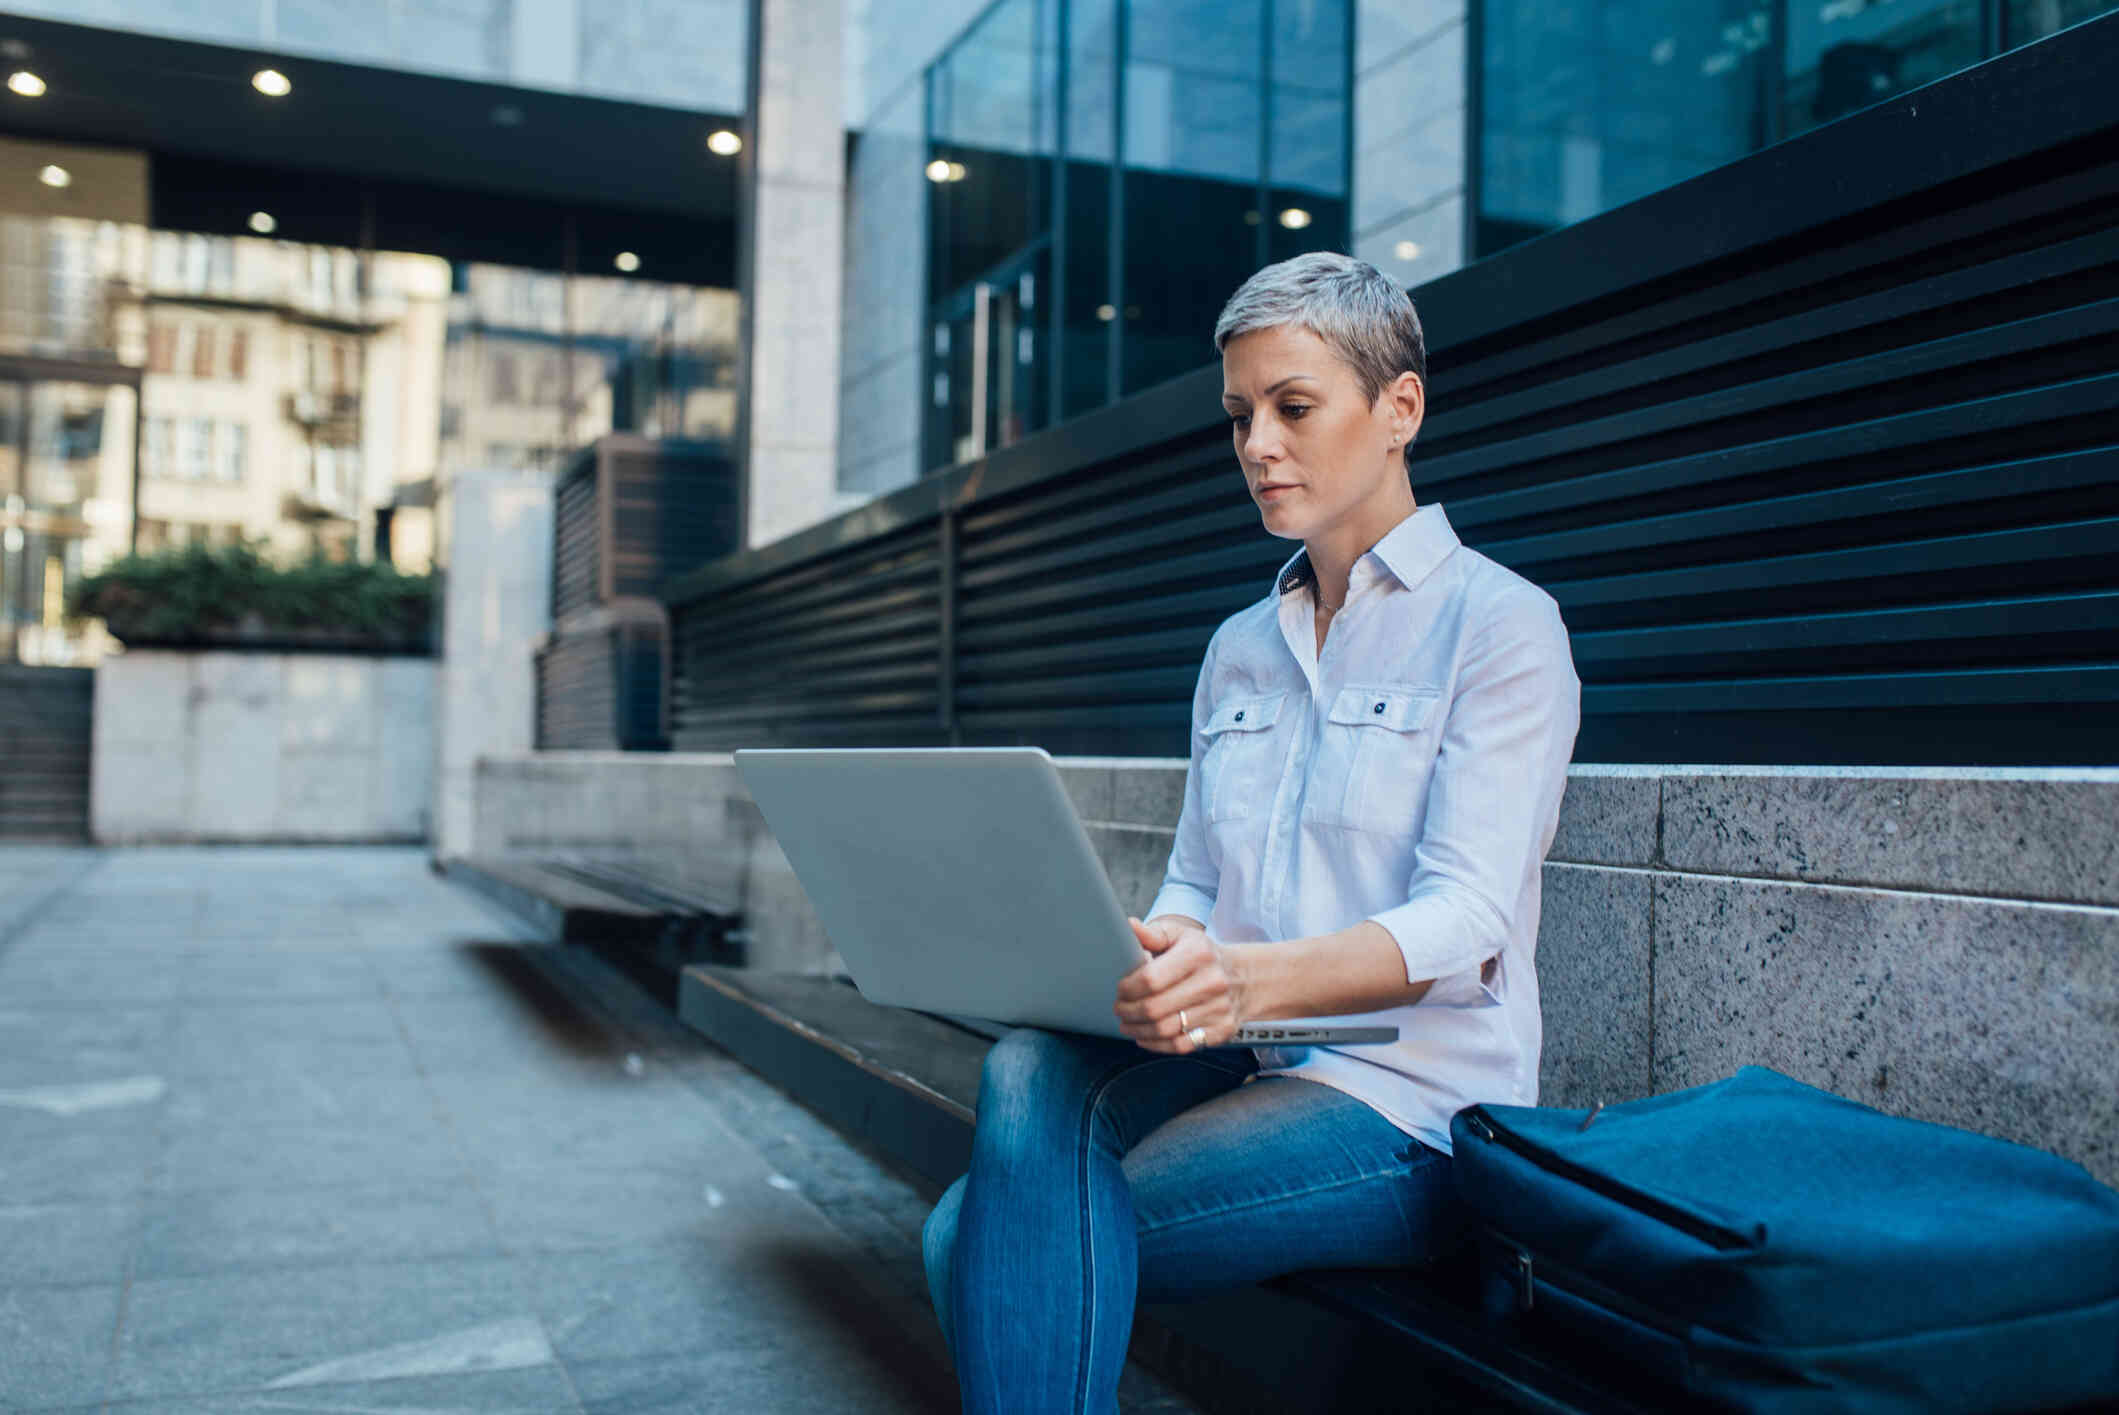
x=1316 y=454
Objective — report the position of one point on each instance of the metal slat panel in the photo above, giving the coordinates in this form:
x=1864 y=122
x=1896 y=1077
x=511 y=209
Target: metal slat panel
x=1837 y=492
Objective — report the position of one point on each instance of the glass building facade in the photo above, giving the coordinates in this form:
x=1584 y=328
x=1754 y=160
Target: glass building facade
x=1585 y=105
x=1102 y=174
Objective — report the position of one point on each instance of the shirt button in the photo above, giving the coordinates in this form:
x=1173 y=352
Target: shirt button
x=1379 y=708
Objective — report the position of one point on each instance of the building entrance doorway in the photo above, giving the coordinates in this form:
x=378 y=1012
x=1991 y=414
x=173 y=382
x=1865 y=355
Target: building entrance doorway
x=990 y=361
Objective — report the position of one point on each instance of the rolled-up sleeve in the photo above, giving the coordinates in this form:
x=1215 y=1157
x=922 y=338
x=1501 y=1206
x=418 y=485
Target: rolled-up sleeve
x=1192 y=878
x=1493 y=801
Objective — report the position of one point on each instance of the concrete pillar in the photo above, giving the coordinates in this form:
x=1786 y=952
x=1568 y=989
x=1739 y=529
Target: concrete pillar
x=497 y=599
x=546 y=43
x=791 y=263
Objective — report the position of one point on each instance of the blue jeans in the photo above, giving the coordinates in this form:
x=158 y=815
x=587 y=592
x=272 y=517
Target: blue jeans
x=1102 y=1174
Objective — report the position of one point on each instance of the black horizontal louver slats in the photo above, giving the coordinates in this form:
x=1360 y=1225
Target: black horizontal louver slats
x=1840 y=492
x=577 y=567
x=627 y=513
x=842 y=650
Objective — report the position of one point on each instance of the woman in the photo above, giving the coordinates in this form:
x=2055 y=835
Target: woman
x=1379 y=747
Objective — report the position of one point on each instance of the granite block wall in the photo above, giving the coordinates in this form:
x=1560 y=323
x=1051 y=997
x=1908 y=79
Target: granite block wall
x=1942 y=943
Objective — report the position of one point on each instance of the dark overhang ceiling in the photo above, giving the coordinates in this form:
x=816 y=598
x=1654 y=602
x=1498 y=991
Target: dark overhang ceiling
x=418 y=160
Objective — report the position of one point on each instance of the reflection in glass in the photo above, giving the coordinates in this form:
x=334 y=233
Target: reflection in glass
x=2026 y=20
x=1221 y=118
x=1847 y=54
x=1591 y=103
x=1087 y=340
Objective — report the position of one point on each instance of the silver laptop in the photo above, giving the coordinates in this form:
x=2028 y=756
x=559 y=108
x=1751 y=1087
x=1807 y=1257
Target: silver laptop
x=960 y=881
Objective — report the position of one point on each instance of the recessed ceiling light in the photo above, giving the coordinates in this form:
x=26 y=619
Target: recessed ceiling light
x=27 y=84
x=724 y=142
x=1294 y=218
x=956 y=172
x=262 y=222
x=627 y=262
x=938 y=171
x=1107 y=313
x=272 y=83
x=55 y=176
x=1407 y=250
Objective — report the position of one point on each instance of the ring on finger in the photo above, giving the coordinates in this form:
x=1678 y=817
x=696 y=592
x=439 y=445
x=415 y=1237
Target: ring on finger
x=1198 y=1036
x=1182 y=1024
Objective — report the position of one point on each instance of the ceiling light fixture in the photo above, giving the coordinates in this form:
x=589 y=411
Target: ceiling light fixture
x=263 y=223
x=55 y=176
x=272 y=83
x=627 y=262
x=1407 y=250
x=1106 y=313
x=1294 y=218
x=27 y=84
x=724 y=143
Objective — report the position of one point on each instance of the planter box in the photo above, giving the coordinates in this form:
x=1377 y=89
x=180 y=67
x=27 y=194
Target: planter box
x=196 y=746
x=266 y=638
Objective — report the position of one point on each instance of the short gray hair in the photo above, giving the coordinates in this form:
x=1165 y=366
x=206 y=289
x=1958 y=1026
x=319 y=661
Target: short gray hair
x=1358 y=311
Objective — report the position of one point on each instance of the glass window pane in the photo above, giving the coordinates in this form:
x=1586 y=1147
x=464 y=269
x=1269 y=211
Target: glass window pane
x=1847 y=54
x=990 y=120
x=1591 y=103
x=1194 y=141
x=1092 y=86
x=2026 y=20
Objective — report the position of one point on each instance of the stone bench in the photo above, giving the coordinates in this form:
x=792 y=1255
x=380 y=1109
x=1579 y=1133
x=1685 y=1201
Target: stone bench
x=647 y=927
x=906 y=1084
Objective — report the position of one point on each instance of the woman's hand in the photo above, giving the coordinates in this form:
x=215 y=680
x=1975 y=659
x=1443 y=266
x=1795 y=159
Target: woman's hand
x=1189 y=993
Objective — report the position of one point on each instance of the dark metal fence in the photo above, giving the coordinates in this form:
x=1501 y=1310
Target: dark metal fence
x=1819 y=454
x=627 y=511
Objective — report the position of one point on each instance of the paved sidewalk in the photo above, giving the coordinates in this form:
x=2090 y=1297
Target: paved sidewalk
x=313 y=1130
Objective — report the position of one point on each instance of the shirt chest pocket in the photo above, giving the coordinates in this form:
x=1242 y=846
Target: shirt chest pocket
x=1236 y=767
x=1374 y=758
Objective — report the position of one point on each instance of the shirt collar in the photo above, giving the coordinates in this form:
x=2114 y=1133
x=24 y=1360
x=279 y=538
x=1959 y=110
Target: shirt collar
x=1410 y=550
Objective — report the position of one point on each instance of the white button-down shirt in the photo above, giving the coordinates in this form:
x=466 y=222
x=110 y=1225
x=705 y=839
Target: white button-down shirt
x=1410 y=774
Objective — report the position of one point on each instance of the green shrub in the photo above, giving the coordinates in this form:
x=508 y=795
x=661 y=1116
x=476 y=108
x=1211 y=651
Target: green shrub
x=202 y=593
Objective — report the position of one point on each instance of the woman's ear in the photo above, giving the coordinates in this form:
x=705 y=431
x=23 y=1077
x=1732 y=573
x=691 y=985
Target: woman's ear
x=1408 y=404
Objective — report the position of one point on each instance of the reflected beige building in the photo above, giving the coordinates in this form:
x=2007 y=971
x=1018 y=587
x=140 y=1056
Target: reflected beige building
x=164 y=388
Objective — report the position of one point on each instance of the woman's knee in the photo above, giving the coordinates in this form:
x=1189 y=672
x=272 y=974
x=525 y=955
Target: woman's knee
x=1032 y=1067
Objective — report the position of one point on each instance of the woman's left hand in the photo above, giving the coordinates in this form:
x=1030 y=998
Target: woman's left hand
x=1189 y=994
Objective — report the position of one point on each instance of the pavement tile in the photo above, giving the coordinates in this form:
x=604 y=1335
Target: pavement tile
x=784 y=1382
x=46 y=1159
x=274 y=976
x=534 y=1390
x=193 y=1233
x=744 y=1295
x=539 y=1210
x=57 y=1344
x=96 y=978
x=408 y=1149
x=45 y=1044
x=300 y=1093
x=354 y=1036
x=66 y=1241
x=315 y=1325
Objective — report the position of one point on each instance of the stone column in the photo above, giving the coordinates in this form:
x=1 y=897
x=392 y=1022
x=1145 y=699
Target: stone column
x=497 y=600
x=790 y=266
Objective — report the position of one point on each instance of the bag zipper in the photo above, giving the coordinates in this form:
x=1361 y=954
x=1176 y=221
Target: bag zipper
x=1529 y=1270
x=1705 y=1230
